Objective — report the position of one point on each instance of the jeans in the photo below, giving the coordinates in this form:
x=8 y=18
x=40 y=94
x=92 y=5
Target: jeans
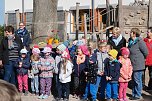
x=64 y=89
x=101 y=80
x=112 y=90
x=137 y=84
x=22 y=82
x=90 y=89
x=35 y=84
x=9 y=74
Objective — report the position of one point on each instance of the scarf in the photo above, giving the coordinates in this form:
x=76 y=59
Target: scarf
x=10 y=42
x=132 y=42
x=80 y=59
x=21 y=32
x=117 y=40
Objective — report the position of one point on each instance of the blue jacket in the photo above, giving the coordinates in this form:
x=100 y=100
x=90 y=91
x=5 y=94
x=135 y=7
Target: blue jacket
x=112 y=69
x=81 y=68
x=25 y=66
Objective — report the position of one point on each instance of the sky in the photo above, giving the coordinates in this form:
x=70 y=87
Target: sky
x=2 y=9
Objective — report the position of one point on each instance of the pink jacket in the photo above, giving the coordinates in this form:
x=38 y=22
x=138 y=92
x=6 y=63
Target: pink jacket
x=126 y=70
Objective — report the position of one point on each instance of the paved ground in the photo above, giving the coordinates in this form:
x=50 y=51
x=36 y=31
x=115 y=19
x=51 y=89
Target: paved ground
x=146 y=95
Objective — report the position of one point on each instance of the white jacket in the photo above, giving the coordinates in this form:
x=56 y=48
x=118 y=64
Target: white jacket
x=65 y=78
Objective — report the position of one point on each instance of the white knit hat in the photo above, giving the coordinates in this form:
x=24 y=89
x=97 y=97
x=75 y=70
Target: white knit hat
x=61 y=47
x=23 y=51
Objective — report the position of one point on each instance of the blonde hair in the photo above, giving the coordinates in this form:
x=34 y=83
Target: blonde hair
x=35 y=57
x=116 y=30
x=102 y=44
x=92 y=44
x=8 y=92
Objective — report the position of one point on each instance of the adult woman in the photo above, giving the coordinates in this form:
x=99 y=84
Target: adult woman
x=9 y=52
x=148 y=42
x=138 y=53
x=117 y=41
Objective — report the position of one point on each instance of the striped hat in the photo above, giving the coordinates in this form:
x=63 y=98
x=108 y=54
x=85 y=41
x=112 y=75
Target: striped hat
x=61 y=47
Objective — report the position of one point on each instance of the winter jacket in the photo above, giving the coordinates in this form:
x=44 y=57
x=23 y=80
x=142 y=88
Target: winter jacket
x=81 y=68
x=47 y=67
x=101 y=58
x=92 y=70
x=149 y=56
x=4 y=51
x=65 y=78
x=35 y=67
x=112 y=69
x=138 y=53
x=25 y=66
x=25 y=36
x=121 y=44
x=126 y=70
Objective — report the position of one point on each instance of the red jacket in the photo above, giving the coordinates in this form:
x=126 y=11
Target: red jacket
x=149 y=57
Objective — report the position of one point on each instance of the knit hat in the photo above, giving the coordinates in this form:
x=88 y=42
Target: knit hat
x=113 y=53
x=80 y=43
x=125 y=51
x=47 y=50
x=66 y=43
x=23 y=51
x=66 y=54
x=84 y=49
x=62 y=47
x=35 y=51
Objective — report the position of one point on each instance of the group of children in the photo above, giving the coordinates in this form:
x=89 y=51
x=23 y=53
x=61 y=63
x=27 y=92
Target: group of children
x=90 y=70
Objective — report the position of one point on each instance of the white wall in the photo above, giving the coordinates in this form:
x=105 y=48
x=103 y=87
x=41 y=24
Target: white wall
x=66 y=4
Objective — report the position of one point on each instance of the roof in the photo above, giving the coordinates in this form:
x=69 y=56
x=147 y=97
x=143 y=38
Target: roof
x=80 y=7
x=104 y=6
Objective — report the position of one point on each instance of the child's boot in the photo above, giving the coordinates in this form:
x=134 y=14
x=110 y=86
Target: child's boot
x=26 y=93
x=108 y=99
x=114 y=99
x=41 y=96
x=45 y=96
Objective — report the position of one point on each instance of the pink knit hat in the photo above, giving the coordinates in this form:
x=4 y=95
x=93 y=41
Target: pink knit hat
x=47 y=50
x=35 y=51
x=125 y=51
x=84 y=49
x=66 y=54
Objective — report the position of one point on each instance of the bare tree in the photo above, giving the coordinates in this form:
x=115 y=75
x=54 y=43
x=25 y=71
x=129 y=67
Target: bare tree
x=44 y=19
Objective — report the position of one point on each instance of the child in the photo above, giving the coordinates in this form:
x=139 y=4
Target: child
x=125 y=73
x=46 y=73
x=65 y=76
x=102 y=56
x=91 y=75
x=112 y=73
x=35 y=63
x=22 y=64
x=81 y=63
